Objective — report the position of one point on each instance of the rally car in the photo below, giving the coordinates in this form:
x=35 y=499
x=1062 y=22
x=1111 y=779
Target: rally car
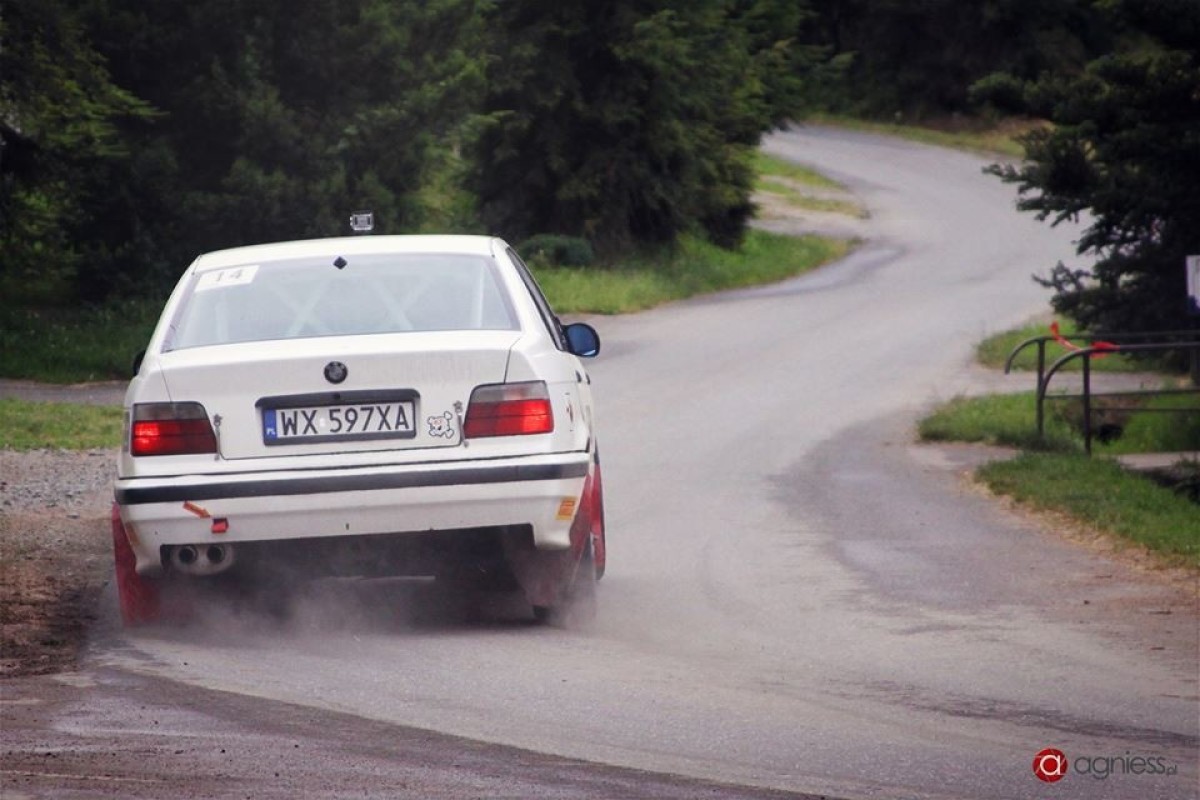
x=369 y=405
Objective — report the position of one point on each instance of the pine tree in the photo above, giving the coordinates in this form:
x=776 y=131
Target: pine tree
x=59 y=144
x=1125 y=151
x=629 y=122
x=281 y=117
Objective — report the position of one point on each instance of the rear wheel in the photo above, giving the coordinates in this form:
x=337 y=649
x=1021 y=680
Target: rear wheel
x=582 y=601
x=576 y=607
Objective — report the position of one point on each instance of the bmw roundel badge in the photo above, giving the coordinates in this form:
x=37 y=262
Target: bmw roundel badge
x=336 y=372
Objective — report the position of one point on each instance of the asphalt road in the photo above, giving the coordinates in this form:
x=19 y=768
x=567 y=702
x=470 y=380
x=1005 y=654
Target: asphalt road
x=798 y=598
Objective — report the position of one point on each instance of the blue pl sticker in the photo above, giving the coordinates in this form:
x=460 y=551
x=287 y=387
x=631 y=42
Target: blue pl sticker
x=270 y=428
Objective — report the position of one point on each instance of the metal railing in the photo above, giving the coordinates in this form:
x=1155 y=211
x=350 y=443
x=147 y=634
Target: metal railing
x=1087 y=353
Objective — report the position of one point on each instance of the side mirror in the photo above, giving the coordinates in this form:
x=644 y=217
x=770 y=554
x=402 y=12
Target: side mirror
x=582 y=340
x=137 y=362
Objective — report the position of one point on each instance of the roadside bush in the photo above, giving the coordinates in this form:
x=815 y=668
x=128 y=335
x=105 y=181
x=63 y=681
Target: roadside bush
x=1000 y=92
x=556 y=250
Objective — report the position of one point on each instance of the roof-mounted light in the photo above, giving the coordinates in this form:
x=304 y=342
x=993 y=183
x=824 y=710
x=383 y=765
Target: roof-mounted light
x=362 y=221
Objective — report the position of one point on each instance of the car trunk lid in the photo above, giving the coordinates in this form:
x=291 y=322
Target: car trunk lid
x=345 y=394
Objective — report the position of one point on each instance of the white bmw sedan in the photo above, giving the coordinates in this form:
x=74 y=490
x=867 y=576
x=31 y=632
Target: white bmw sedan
x=375 y=405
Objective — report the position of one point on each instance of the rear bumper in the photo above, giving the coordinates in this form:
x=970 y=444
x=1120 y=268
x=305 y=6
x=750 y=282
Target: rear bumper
x=540 y=491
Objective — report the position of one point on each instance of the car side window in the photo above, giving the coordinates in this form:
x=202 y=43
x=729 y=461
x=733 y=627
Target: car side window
x=553 y=326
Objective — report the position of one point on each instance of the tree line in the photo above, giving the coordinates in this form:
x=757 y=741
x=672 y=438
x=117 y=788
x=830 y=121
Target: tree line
x=135 y=135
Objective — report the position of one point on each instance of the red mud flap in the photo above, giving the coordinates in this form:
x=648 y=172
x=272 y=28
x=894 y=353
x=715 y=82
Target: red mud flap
x=139 y=596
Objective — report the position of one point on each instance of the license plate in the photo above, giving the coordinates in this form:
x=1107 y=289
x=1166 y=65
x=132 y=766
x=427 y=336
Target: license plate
x=367 y=420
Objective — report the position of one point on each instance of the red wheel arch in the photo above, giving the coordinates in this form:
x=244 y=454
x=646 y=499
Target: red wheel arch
x=139 y=596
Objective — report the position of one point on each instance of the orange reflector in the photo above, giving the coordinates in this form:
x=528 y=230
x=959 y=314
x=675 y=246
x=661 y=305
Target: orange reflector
x=566 y=509
x=192 y=508
x=220 y=525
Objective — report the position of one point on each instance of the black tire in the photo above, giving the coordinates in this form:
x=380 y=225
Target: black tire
x=577 y=607
x=600 y=569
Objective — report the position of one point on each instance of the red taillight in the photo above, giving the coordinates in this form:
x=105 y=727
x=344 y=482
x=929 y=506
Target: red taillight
x=170 y=429
x=509 y=409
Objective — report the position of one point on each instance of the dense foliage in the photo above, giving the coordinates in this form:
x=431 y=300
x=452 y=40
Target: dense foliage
x=630 y=121
x=62 y=153
x=900 y=58
x=272 y=120
x=1124 y=150
x=139 y=134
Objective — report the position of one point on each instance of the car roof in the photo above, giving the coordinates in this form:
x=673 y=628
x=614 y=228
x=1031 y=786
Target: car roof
x=345 y=246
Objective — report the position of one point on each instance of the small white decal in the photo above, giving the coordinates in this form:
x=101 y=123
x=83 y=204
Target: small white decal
x=220 y=278
x=440 y=426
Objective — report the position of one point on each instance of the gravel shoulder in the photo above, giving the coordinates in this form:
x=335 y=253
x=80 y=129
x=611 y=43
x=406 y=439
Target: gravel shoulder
x=55 y=554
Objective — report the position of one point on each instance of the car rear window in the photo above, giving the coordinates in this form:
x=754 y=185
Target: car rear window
x=334 y=296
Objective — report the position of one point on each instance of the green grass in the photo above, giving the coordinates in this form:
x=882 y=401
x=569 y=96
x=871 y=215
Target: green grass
x=794 y=197
x=695 y=267
x=994 y=351
x=1155 y=431
x=995 y=140
x=766 y=165
x=1010 y=420
x=801 y=187
x=27 y=426
x=75 y=345
x=1099 y=492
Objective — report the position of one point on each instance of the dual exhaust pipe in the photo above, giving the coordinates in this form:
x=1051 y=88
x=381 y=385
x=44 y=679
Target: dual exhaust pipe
x=202 y=559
